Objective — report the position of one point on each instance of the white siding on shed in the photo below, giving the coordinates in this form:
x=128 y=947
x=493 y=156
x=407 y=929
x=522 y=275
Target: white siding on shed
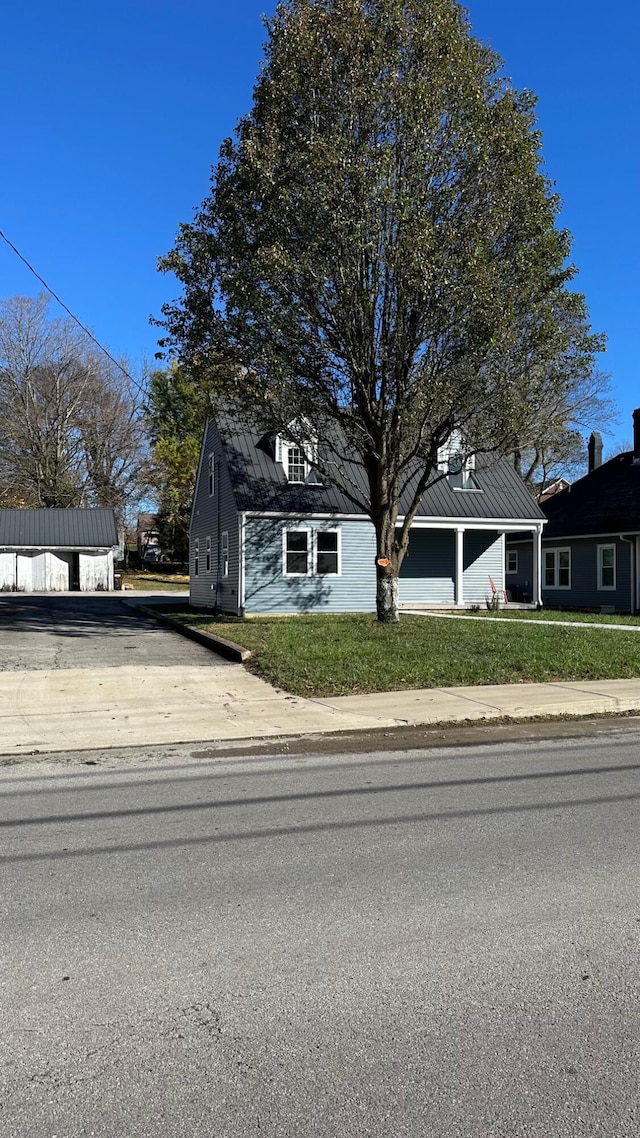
x=96 y=571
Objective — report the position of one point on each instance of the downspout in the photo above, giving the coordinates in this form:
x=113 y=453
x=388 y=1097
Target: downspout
x=632 y=570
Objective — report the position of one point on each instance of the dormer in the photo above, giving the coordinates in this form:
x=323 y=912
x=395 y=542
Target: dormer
x=298 y=457
x=458 y=466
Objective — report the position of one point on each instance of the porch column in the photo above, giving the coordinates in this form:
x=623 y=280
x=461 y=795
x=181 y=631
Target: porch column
x=537 y=566
x=459 y=578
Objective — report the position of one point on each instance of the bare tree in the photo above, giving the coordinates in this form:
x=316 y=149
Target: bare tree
x=71 y=429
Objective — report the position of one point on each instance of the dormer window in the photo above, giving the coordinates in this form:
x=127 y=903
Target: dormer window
x=296 y=464
x=458 y=467
x=296 y=460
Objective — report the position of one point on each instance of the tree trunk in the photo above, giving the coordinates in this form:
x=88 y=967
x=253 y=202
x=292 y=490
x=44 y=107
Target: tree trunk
x=387 y=595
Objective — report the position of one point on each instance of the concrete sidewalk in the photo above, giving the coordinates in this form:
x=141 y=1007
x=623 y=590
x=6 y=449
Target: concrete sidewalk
x=80 y=709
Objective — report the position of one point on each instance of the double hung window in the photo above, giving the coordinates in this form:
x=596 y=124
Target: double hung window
x=606 y=566
x=309 y=554
x=557 y=568
x=512 y=561
x=196 y=557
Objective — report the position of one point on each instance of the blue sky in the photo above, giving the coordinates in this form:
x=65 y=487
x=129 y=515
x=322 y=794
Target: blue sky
x=113 y=113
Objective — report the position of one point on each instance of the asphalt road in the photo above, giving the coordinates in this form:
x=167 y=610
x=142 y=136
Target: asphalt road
x=60 y=631
x=440 y=943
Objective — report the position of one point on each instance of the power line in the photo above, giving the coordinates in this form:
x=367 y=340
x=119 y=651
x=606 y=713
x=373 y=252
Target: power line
x=72 y=315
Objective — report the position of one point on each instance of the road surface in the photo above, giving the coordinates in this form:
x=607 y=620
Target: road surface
x=437 y=943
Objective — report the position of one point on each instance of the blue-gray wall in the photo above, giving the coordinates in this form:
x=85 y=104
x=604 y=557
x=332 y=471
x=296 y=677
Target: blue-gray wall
x=584 y=591
x=428 y=571
x=210 y=517
x=426 y=577
x=268 y=591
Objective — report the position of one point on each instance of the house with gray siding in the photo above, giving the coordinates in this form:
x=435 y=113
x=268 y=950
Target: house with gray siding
x=53 y=550
x=270 y=534
x=591 y=545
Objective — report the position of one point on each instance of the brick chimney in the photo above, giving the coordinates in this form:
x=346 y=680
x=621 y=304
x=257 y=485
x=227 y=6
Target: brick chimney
x=636 y=435
x=595 y=448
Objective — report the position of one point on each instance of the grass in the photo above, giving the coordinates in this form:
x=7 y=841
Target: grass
x=559 y=614
x=152 y=581
x=344 y=655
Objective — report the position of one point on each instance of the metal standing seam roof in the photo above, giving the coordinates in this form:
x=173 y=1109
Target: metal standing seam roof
x=259 y=483
x=62 y=529
x=606 y=501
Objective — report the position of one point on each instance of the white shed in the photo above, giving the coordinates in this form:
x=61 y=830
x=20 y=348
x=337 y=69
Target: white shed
x=57 y=550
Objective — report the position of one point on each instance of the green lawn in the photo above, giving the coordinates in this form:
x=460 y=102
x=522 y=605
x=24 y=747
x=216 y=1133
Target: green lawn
x=155 y=582
x=342 y=655
x=558 y=614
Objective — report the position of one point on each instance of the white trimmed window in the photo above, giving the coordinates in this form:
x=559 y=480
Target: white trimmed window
x=212 y=474
x=208 y=560
x=512 y=561
x=606 y=566
x=557 y=568
x=328 y=553
x=296 y=464
x=224 y=552
x=458 y=467
x=297 y=552
x=196 y=557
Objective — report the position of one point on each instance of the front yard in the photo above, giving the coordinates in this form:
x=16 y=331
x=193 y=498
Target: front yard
x=557 y=615
x=343 y=655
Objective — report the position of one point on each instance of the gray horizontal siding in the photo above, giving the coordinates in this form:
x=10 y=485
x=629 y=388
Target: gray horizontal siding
x=427 y=572
x=483 y=559
x=210 y=518
x=268 y=591
x=584 y=591
x=519 y=585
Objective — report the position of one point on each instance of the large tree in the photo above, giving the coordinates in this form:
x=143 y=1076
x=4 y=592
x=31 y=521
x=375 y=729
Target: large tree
x=177 y=411
x=71 y=427
x=378 y=262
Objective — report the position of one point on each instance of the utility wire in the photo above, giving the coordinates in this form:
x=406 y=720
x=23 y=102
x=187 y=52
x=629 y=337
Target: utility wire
x=72 y=315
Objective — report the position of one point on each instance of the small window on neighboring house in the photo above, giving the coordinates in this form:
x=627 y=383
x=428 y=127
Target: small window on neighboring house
x=224 y=552
x=327 y=552
x=606 y=566
x=296 y=553
x=512 y=561
x=212 y=475
x=557 y=568
x=196 y=557
x=208 y=555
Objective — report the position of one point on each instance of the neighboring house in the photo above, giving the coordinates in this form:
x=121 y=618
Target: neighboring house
x=148 y=538
x=552 y=488
x=57 y=550
x=269 y=535
x=591 y=544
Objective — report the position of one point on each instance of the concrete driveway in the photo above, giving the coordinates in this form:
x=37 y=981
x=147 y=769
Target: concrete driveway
x=62 y=631
x=80 y=671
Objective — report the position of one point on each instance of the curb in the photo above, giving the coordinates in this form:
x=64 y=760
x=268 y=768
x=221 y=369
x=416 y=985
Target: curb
x=226 y=648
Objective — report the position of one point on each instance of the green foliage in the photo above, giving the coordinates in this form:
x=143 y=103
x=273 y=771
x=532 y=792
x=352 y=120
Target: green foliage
x=176 y=414
x=344 y=655
x=379 y=255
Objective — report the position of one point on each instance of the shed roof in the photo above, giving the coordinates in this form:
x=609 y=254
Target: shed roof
x=259 y=483
x=61 y=529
